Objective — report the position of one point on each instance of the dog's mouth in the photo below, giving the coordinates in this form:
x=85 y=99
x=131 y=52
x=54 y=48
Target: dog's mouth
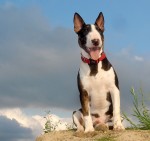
x=94 y=52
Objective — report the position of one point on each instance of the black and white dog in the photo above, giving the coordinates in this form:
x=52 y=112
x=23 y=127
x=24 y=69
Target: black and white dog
x=97 y=80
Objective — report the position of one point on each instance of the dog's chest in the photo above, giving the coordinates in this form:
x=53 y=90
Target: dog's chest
x=97 y=86
x=101 y=81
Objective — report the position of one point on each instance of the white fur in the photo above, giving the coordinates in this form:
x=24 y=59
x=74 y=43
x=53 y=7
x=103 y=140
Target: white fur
x=94 y=34
x=88 y=123
x=97 y=87
x=115 y=94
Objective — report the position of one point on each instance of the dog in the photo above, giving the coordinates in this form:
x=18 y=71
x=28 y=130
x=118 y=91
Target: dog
x=97 y=80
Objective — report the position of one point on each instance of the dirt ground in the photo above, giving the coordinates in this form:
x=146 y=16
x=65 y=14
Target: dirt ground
x=127 y=135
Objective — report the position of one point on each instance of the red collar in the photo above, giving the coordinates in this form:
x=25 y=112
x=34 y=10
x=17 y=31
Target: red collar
x=91 y=61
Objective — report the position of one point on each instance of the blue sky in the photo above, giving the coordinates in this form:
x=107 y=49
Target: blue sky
x=40 y=57
x=123 y=18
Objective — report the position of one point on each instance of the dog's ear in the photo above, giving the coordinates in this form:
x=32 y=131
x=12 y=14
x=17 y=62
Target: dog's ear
x=100 y=21
x=78 y=22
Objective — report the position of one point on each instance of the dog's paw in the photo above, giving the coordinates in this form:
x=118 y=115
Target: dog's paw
x=89 y=129
x=118 y=127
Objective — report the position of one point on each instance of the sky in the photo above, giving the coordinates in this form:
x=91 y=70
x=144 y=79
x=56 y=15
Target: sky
x=40 y=58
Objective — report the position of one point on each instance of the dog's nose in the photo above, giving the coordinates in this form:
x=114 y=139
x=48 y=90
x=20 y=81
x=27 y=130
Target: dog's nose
x=95 y=42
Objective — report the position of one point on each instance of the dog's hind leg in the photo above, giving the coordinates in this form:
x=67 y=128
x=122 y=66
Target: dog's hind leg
x=78 y=120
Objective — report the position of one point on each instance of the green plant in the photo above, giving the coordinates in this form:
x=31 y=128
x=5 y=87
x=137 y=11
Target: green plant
x=50 y=125
x=140 y=111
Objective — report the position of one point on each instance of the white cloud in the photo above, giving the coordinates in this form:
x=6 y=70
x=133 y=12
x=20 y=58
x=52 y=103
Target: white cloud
x=10 y=130
x=23 y=119
x=35 y=123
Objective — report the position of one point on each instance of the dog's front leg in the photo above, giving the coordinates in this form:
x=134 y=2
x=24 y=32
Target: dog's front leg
x=115 y=94
x=84 y=98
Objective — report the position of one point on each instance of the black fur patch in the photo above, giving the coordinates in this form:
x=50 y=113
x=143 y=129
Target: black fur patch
x=116 y=80
x=95 y=115
x=80 y=110
x=84 y=98
x=93 y=69
x=74 y=112
x=110 y=110
x=82 y=35
x=106 y=64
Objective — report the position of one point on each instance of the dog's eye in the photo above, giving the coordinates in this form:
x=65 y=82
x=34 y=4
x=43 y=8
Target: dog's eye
x=87 y=29
x=83 y=41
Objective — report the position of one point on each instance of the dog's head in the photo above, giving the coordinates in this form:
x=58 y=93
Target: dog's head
x=90 y=36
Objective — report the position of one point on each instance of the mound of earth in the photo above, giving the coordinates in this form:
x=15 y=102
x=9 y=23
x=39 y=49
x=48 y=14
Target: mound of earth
x=127 y=135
